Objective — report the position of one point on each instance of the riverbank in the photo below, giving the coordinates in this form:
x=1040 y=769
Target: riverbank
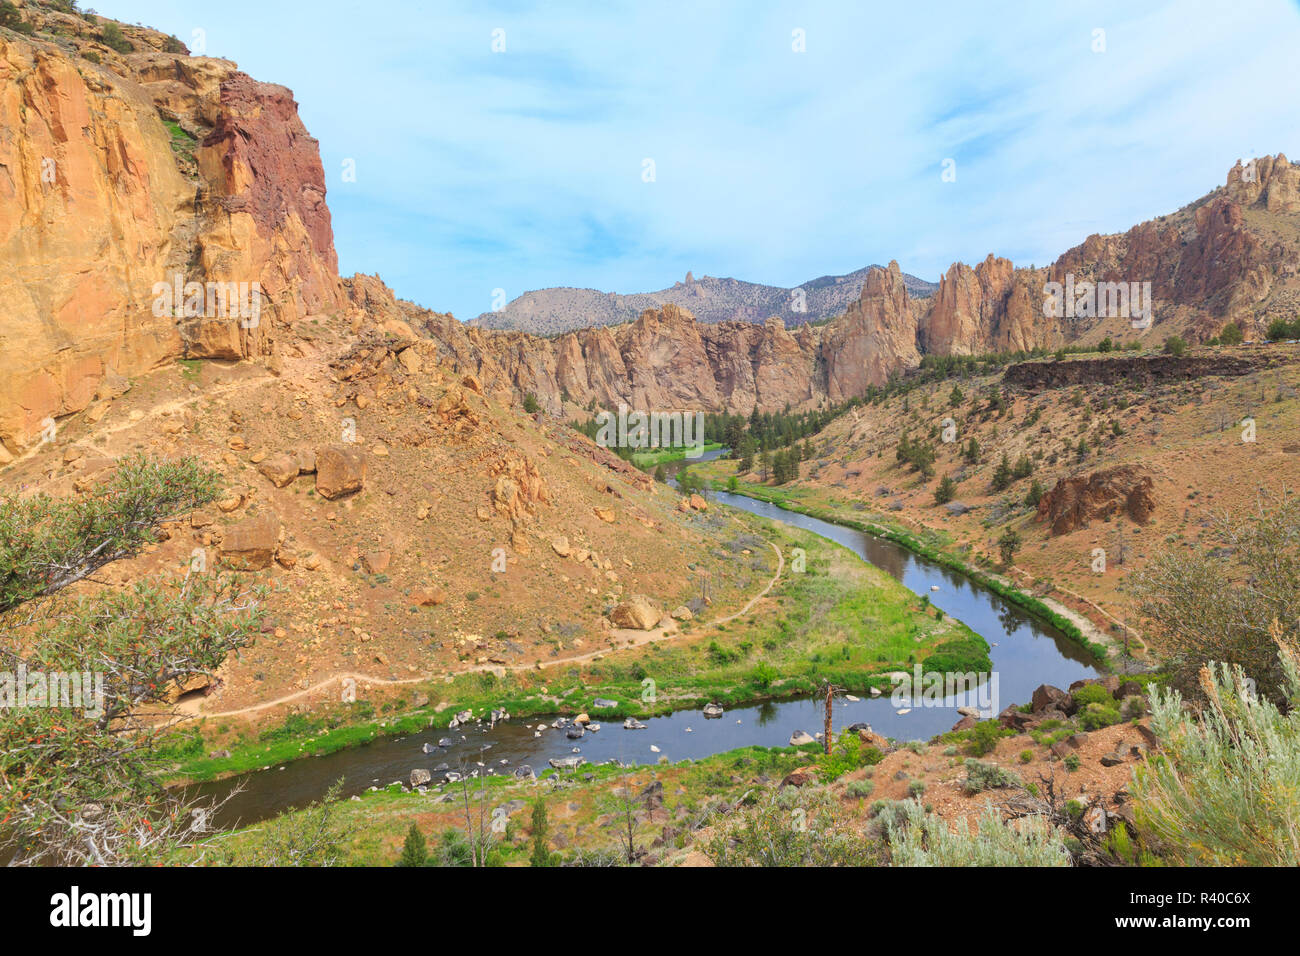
x=838 y=618
x=650 y=459
x=1074 y=626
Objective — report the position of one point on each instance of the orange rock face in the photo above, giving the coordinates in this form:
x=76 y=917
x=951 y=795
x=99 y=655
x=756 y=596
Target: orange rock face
x=1076 y=501
x=97 y=207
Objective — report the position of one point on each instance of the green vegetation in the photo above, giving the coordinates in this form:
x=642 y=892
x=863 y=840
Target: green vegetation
x=1225 y=791
x=143 y=643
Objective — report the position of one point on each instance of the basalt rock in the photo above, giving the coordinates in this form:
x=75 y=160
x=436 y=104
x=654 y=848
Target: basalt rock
x=1077 y=500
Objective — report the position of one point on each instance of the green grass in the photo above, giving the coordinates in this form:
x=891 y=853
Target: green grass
x=648 y=459
x=929 y=547
x=842 y=620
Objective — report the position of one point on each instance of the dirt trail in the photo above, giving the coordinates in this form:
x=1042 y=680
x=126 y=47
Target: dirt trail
x=633 y=639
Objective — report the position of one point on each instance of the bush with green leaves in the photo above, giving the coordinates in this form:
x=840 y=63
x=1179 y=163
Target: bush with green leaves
x=919 y=839
x=1225 y=790
x=790 y=827
x=415 y=851
x=981 y=776
x=1200 y=607
x=48 y=543
x=984 y=737
x=1097 y=716
x=80 y=777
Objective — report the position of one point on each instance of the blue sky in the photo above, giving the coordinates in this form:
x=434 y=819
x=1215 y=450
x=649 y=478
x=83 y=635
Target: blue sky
x=479 y=170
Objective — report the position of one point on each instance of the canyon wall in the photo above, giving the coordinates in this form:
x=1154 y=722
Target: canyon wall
x=100 y=199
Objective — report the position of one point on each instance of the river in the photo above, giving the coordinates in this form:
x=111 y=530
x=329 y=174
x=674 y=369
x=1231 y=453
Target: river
x=1025 y=653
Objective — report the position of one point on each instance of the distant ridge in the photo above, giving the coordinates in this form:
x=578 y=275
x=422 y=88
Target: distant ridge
x=709 y=299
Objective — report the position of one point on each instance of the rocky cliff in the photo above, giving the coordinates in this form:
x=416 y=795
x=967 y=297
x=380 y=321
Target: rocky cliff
x=122 y=171
x=125 y=168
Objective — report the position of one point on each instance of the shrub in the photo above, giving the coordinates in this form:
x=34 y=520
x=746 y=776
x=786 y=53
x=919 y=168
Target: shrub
x=981 y=776
x=1226 y=789
x=921 y=840
x=1199 y=611
x=806 y=828
x=859 y=789
x=1092 y=694
x=1174 y=345
x=1026 y=756
x=1071 y=762
x=415 y=852
x=984 y=737
x=111 y=36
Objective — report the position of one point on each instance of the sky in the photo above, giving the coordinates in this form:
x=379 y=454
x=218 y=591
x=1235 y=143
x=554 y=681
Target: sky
x=499 y=147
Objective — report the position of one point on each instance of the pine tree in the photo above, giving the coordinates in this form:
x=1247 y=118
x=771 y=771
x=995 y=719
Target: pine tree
x=946 y=491
x=1035 y=494
x=415 y=852
x=541 y=856
x=1002 y=474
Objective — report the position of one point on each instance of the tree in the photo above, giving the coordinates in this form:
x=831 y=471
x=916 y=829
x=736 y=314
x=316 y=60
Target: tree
x=972 y=451
x=1199 y=607
x=955 y=397
x=1002 y=474
x=661 y=476
x=1008 y=545
x=946 y=491
x=1035 y=494
x=541 y=855
x=80 y=780
x=1105 y=345
x=415 y=852
x=1174 y=345
x=1231 y=334
x=1024 y=468
x=531 y=404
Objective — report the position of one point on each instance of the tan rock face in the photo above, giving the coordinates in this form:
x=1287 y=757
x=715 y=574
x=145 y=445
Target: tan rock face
x=340 y=470
x=97 y=208
x=1077 y=500
x=876 y=337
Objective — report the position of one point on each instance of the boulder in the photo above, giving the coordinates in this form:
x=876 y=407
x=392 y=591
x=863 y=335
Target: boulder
x=340 y=470
x=428 y=597
x=280 y=469
x=800 y=777
x=636 y=613
x=250 y=544
x=376 y=562
x=561 y=547
x=1046 y=696
x=420 y=778
x=800 y=738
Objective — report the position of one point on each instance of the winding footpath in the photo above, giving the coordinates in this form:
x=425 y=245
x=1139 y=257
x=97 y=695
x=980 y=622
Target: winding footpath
x=632 y=638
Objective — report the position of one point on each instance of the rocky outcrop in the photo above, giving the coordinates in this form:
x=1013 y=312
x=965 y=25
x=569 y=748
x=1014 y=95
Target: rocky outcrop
x=1137 y=371
x=101 y=206
x=1077 y=500
x=876 y=338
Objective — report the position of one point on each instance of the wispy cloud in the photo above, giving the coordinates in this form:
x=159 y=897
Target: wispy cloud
x=522 y=169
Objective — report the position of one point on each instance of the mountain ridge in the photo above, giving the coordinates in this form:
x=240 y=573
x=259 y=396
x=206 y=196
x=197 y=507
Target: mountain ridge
x=710 y=299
